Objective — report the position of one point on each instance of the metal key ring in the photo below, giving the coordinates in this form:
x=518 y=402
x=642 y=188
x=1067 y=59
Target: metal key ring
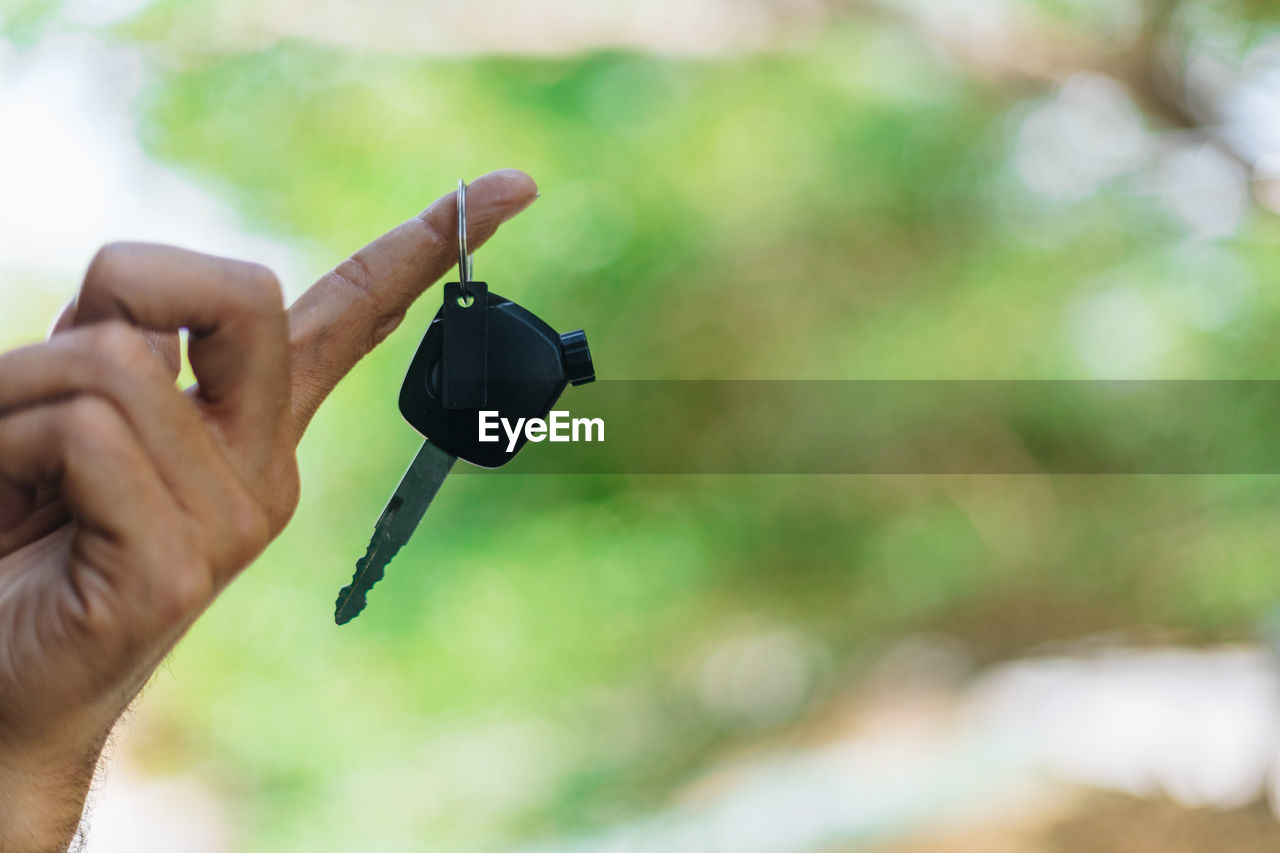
x=466 y=261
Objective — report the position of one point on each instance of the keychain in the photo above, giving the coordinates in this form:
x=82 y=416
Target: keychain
x=481 y=353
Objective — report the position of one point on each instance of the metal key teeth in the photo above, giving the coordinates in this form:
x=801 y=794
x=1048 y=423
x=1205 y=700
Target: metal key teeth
x=350 y=604
x=353 y=598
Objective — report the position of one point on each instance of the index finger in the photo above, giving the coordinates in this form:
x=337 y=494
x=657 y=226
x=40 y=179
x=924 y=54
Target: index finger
x=352 y=309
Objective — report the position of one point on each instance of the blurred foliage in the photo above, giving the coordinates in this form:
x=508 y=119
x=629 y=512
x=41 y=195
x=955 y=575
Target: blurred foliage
x=24 y=21
x=536 y=661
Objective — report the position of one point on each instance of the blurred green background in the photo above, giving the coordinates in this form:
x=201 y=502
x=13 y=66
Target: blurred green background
x=1064 y=189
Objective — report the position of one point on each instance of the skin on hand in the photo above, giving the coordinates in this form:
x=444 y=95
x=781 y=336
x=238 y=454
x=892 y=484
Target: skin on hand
x=127 y=505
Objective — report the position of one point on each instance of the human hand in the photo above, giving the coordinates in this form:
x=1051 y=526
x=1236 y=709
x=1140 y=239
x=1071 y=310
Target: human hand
x=127 y=505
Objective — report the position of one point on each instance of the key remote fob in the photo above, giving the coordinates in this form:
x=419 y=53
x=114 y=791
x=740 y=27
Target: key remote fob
x=529 y=366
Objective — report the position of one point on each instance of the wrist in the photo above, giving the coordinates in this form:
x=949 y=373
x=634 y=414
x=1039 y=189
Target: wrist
x=42 y=801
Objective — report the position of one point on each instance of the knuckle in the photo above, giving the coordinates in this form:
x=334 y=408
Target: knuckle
x=354 y=272
x=258 y=288
x=117 y=346
x=430 y=227
x=89 y=420
x=287 y=494
x=176 y=582
x=184 y=591
x=108 y=266
x=250 y=530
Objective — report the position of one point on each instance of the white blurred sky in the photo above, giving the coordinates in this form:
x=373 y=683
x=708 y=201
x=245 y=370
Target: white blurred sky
x=74 y=176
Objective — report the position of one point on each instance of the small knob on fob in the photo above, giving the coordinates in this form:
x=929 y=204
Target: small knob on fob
x=577 y=358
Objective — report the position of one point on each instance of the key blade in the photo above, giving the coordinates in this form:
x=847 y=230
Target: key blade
x=395 y=527
x=369 y=568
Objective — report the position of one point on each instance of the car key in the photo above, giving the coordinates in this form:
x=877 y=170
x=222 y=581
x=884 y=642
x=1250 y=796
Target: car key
x=481 y=352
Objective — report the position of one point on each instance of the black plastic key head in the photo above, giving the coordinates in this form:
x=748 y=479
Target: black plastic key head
x=528 y=366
